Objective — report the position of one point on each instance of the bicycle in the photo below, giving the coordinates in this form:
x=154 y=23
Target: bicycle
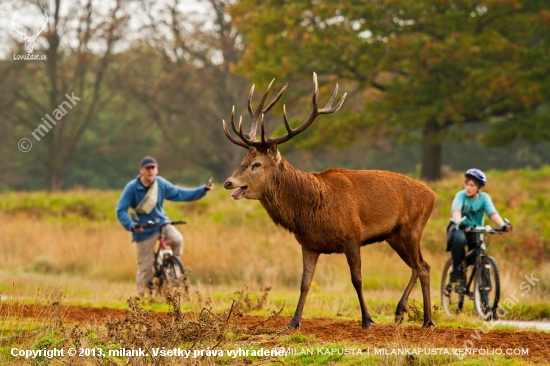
x=481 y=270
x=169 y=272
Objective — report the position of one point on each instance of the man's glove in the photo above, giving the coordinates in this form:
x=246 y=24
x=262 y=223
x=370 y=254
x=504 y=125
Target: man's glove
x=137 y=228
x=208 y=186
x=506 y=227
x=463 y=226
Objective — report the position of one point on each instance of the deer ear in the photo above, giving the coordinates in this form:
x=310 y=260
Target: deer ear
x=274 y=153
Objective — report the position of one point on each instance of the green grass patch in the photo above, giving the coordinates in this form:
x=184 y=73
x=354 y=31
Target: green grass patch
x=530 y=311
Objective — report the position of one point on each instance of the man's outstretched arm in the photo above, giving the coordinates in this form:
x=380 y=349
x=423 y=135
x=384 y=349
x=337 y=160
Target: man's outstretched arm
x=173 y=193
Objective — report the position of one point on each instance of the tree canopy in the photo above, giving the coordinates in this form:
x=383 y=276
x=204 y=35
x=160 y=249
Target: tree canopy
x=157 y=77
x=433 y=67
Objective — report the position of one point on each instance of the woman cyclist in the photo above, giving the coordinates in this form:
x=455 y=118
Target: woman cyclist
x=470 y=204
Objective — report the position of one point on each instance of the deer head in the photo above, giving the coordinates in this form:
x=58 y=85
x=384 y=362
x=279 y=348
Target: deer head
x=29 y=40
x=257 y=169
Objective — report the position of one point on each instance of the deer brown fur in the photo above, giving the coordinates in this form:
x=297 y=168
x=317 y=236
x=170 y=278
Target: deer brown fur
x=337 y=210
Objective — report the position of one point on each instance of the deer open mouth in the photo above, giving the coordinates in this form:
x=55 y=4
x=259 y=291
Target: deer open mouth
x=239 y=193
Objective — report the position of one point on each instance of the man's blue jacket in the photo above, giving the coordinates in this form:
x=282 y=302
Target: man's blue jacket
x=133 y=194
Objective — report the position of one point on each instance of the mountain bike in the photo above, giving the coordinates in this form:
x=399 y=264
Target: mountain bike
x=481 y=270
x=169 y=272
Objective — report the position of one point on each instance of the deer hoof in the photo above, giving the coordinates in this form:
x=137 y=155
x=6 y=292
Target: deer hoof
x=366 y=324
x=428 y=324
x=293 y=324
x=399 y=318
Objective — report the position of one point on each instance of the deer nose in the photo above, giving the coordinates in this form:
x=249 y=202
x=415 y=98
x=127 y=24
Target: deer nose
x=227 y=184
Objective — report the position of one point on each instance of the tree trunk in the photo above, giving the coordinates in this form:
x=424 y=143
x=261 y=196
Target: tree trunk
x=432 y=147
x=53 y=180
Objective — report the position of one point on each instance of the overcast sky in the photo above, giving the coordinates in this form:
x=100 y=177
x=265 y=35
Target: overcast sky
x=29 y=17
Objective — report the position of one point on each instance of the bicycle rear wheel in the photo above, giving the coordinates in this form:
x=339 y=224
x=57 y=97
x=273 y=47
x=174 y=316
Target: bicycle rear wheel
x=487 y=288
x=174 y=276
x=452 y=297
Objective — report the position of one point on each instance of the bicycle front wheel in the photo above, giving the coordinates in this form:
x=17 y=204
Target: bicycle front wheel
x=487 y=288
x=174 y=275
x=452 y=298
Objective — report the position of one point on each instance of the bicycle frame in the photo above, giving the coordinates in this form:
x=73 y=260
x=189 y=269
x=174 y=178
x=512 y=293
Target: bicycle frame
x=162 y=252
x=478 y=252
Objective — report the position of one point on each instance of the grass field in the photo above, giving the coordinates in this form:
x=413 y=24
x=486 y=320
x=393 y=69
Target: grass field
x=70 y=242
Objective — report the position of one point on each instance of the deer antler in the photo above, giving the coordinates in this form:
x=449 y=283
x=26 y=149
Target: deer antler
x=314 y=112
x=249 y=140
x=37 y=32
x=231 y=138
x=25 y=35
x=259 y=111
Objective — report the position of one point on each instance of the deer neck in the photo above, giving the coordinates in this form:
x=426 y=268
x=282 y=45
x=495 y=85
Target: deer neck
x=292 y=197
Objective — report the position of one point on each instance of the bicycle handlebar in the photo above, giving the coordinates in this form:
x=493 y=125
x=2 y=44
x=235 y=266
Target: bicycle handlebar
x=487 y=229
x=151 y=223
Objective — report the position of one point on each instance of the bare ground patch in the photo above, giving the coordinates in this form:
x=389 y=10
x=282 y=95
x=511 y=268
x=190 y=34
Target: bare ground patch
x=329 y=330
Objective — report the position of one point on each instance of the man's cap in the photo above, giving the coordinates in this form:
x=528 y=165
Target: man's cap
x=148 y=161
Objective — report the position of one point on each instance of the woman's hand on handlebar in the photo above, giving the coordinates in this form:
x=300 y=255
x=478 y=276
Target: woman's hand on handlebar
x=137 y=228
x=507 y=227
x=462 y=226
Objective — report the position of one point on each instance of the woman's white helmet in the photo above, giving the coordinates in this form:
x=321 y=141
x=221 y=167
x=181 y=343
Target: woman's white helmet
x=477 y=175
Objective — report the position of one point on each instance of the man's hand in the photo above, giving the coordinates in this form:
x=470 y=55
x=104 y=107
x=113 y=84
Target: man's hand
x=137 y=228
x=209 y=185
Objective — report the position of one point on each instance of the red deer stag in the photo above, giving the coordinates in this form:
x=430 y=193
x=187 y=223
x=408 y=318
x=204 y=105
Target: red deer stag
x=334 y=211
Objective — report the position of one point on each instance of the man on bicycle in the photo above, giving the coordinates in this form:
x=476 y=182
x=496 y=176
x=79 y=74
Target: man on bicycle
x=143 y=200
x=470 y=203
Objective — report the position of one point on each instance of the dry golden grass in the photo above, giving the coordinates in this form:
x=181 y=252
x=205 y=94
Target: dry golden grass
x=213 y=254
x=98 y=262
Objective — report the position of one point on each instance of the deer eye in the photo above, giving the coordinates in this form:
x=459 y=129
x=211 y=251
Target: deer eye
x=256 y=165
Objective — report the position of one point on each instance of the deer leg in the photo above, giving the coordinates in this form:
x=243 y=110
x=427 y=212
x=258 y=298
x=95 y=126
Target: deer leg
x=402 y=304
x=425 y=283
x=399 y=244
x=420 y=269
x=310 y=262
x=353 y=255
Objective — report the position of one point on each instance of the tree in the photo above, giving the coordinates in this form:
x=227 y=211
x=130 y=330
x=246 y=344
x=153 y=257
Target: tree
x=78 y=48
x=436 y=66
x=188 y=86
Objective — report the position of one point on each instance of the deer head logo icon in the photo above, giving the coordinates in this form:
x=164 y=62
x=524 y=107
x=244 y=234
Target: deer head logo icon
x=29 y=40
